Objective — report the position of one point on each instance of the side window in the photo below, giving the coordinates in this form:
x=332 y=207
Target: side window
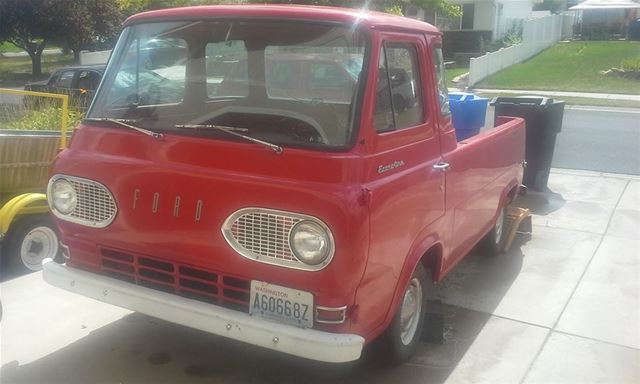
x=399 y=101
x=65 y=79
x=227 y=70
x=443 y=95
x=53 y=80
x=88 y=80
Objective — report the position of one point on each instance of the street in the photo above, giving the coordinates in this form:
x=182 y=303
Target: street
x=599 y=139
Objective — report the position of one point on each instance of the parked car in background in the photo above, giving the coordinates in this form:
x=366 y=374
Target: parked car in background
x=79 y=82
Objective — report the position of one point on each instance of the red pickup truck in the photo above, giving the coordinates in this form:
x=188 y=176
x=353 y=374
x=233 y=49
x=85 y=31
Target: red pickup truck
x=206 y=193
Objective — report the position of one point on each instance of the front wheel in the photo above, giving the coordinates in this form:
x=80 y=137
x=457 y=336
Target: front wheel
x=33 y=240
x=399 y=342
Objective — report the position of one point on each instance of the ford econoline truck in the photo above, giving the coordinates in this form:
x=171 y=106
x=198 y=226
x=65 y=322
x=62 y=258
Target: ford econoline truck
x=249 y=171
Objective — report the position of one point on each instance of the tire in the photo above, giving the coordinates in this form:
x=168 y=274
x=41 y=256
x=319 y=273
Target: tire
x=491 y=244
x=33 y=239
x=400 y=340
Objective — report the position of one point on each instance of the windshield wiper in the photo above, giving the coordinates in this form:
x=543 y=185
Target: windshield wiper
x=232 y=131
x=127 y=123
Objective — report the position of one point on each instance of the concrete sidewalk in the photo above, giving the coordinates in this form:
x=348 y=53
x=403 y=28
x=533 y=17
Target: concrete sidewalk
x=560 y=307
x=587 y=95
x=46 y=52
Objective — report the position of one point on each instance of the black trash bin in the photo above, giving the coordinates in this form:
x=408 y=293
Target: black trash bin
x=543 y=117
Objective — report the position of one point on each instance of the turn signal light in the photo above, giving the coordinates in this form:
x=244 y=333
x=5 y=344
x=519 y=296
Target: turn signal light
x=331 y=315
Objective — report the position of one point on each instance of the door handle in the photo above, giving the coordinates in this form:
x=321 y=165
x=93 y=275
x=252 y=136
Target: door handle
x=441 y=166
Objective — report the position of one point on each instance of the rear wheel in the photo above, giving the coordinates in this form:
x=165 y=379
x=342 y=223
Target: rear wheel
x=34 y=239
x=399 y=342
x=491 y=244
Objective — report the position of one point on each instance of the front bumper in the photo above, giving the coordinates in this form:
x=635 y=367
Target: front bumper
x=307 y=343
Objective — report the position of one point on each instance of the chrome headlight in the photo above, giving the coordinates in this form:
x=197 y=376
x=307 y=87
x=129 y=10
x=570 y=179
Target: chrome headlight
x=310 y=242
x=81 y=201
x=63 y=196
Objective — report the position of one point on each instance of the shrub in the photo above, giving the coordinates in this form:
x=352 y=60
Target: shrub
x=632 y=65
x=45 y=119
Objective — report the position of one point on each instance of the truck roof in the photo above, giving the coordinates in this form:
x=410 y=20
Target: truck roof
x=367 y=18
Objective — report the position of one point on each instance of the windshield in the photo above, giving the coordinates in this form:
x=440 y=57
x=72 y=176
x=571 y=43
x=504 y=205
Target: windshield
x=289 y=83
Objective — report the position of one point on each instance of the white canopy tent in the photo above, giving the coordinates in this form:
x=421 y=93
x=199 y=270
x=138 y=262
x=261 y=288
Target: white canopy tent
x=605 y=4
x=601 y=18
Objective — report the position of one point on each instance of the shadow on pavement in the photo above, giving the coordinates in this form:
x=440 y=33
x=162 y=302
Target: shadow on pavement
x=142 y=349
x=541 y=203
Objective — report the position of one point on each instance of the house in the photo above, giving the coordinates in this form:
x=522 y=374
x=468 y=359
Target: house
x=493 y=17
x=482 y=23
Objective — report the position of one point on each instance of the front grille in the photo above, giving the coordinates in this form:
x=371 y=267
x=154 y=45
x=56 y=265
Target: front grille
x=265 y=234
x=183 y=280
x=95 y=204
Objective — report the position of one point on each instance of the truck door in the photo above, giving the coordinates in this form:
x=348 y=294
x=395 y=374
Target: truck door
x=406 y=193
x=470 y=203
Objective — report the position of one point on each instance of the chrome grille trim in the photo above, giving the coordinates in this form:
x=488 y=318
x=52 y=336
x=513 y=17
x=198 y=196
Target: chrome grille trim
x=95 y=208
x=262 y=235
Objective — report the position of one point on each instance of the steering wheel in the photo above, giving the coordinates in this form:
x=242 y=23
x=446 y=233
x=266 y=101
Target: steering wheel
x=304 y=132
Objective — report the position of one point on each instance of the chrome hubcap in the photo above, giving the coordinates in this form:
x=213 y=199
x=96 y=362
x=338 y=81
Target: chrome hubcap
x=410 y=311
x=499 y=225
x=40 y=243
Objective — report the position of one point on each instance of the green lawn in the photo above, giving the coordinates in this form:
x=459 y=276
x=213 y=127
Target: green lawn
x=18 y=69
x=571 y=66
x=8 y=47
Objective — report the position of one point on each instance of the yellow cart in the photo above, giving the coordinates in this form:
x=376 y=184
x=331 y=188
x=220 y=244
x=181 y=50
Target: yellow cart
x=27 y=233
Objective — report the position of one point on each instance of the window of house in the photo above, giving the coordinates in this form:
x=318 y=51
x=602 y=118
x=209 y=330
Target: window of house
x=398 y=91
x=468 y=11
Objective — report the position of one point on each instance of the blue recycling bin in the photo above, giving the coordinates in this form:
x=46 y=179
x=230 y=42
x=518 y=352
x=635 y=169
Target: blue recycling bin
x=468 y=112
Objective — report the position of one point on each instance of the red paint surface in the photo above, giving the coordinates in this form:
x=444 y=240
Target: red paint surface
x=382 y=223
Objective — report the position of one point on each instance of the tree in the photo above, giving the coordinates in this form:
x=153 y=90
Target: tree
x=86 y=21
x=554 y=6
x=29 y=24
x=130 y=7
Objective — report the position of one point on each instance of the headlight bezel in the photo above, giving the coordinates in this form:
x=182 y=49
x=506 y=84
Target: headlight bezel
x=102 y=191
x=293 y=262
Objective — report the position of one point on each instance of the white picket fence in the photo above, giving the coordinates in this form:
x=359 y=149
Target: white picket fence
x=537 y=34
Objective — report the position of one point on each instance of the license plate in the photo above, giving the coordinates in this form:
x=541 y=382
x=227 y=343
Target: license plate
x=281 y=304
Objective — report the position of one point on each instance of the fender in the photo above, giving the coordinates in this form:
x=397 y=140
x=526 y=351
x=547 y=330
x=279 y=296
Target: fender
x=25 y=204
x=418 y=250
x=506 y=197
